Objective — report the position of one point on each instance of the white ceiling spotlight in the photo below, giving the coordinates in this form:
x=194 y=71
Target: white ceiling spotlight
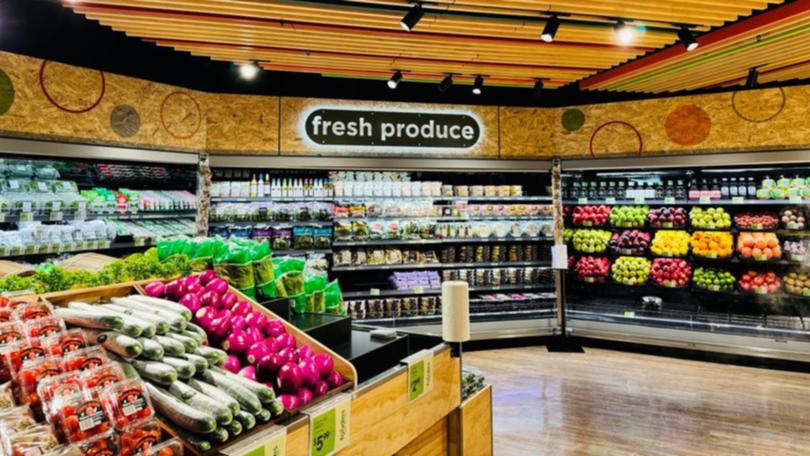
x=248 y=70
x=624 y=32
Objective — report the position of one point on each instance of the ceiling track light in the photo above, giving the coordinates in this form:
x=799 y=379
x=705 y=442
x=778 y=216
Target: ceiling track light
x=446 y=83
x=624 y=32
x=248 y=70
x=538 y=87
x=550 y=29
x=412 y=17
x=394 y=81
x=688 y=38
x=751 y=80
x=478 y=87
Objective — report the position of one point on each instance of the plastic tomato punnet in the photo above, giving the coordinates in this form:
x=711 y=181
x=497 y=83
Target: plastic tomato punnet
x=102 y=445
x=53 y=390
x=21 y=353
x=29 y=312
x=127 y=402
x=140 y=438
x=173 y=447
x=37 y=440
x=65 y=342
x=85 y=359
x=83 y=416
x=101 y=377
x=31 y=374
x=44 y=327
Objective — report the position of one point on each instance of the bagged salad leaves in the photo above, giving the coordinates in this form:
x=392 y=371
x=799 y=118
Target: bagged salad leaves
x=290 y=277
x=333 y=299
x=263 y=270
x=314 y=286
x=203 y=256
x=236 y=266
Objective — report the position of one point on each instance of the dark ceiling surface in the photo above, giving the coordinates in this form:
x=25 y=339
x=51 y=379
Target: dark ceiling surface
x=45 y=29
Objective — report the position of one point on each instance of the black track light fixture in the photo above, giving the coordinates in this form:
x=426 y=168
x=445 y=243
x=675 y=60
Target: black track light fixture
x=446 y=83
x=550 y=29
x=688 y=38
x=751 y=80
x=478 y=87
x=394 y=81
x=412 y=17
x=538 y=87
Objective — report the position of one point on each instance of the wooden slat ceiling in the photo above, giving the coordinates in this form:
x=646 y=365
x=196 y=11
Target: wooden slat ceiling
x=499 y=39
x=776 y=43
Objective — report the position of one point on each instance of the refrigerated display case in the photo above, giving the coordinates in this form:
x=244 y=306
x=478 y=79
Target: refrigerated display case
x=391 y=236
x=701 y=257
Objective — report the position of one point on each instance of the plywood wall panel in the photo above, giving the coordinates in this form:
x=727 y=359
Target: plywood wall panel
x=242 y=124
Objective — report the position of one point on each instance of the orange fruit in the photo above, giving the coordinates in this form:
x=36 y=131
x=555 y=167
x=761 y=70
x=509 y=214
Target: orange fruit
x=772 y=243
x=746 y=251
x=761 y=244
x=756 y=252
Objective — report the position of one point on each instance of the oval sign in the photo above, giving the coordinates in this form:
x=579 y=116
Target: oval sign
x=341 y=127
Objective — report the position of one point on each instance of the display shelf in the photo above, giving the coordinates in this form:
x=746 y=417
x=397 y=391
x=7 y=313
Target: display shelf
x=438 y=291
x=111 y=247
x=271 y=199
x=269 y=223
x=64 y=216
x=733 y=259
x=477 y=218
x=475 y=315
x=349 y=199
x=293 y=252
x=438 y=241
x=680 y=202
x=395 y=267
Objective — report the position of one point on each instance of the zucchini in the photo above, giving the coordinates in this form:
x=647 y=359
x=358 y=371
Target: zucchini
x=129 y=371
x=193 y=335
x=200 y=363
x=263 y=416
x=220 y=435
x=152 y=350
x=276 y=407
x=185 y=369
x=247 y=420
x=92 y=320
x=234 y=428
x=215 y=356
x=200 y=401
x=129 y=327
x=180 y=413
x=176 y=322
x=171 y=346
x=169 y=306
x=189 y=343
x=155 y=371
x=247 y=400
x=216 y=394
x=115 y=342
x=199 y=442
x=265 y=394
x=194 y=328
x=148 y=324
x=161 y=325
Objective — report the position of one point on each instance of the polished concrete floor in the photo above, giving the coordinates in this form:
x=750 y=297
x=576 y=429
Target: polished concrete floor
x=614 y=403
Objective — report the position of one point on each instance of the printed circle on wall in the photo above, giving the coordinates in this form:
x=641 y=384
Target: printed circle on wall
x=615 y=138
x=573 y=119
x=758 y=105
x=6 y=93
x=180 y=115
x=71 y=89
x=125 y=121
x=688 y=125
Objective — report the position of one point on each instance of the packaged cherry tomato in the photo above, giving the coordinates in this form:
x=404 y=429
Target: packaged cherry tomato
x=53 y=390
x=65 y=342
x=31 y=374
x=5 y=314
x=101 y=377
x=44 y=327
x=102 y=445
x=27 y=312
x=173 y=447
x=12 y=304
x=20 y=353
x=85 y=359
x=127 y=402
x=10 y=333
x=83 y=416
x=140 y=438
x=37 y=440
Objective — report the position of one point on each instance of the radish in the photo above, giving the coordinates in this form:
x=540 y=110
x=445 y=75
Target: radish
x=256 y=319
x=238 y=323
x=210 y=298
x=289 y=401
x=195 y=287
x=254 y=334
x=229 y=299
x=320 y=388
x=324 y=363
x=257 y=351
x=207 y=276
x=274 y=328
x=204 y=316
x=305 y=351
x=248 y=372
x=191 y=280
x=334 y=379
x=219 y=327
x=218 y=286
x=286 y=340
x=155 y=289
x=236 y=343
x=191 y=301
x=289 y=378
x=309 y=372
x=241 y=308
x=232 y=364
x=267 y=366
x=175 y=289
x=289 y=355
x=272 y=344
x=305 y=396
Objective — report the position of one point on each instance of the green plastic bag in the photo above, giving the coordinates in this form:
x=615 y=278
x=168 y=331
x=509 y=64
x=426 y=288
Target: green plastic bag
x=263 y=270
x=203 y=257
x=333 y=299
x=235 y=266
x=299 y=303
x=314 y=285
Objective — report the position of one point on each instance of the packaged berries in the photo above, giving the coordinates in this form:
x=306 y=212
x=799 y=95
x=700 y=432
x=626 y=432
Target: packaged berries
x=127 y=402
x=53 y=390
x=31 y=374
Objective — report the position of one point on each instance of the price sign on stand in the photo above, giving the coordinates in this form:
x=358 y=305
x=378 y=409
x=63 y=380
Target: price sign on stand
x=669 y=200
x=420 y=374
x=639 y=200
x=330 y=426
x=610 y=200
x=582 y=201
x=273 y=442
x=737 y=200
x=705 y=199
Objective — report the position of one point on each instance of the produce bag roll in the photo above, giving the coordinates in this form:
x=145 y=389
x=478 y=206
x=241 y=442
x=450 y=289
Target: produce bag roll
x=455 y=311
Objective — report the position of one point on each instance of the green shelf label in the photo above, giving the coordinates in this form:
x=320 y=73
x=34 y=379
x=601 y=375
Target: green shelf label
x=629 y=314
x=27 y=216
x=705 y=200
x=330 y=427
x=582 y=201
x=669 y=200
x=610 y=200
x=639 y=200
x=737 y=200
x=56 y=216
x=420 y=374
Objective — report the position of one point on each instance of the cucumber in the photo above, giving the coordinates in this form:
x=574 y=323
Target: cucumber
x=220 y=435
x=234 y=428
x=92 y=320
x=185 y=369
x=164 y=304
x=149 y=325
x=247 y=420
x=193 y=335
x=161 y=325
x=130 y=327
x=216 y=394
x=152 y=350
x=171 y=346
x=155 y=371
x=189 y=343
x=129 y=371
x=115 y=342
x=247 y=400
x=194 y=328
x=200 y=363
x=265 y=394
x=199 y=442
x=276 y=407
x=263 y=416
x=176 y=322
x=180 y=413
x=200 y=401
x=215 y=356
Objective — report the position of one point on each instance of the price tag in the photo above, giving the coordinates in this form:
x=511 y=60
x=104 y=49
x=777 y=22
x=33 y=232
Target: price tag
x=610 y=200
x=582 y=201
x=759 y=258
x=140 y=242
x=330 y=427
x=56 y=216
x=420 y=374
x=796 y=257
x=5 y=251
x=2 y=217
x=92 y=245
x=714 y=287
x=711 y=255
x=761 y=291
x=639 y=200
x=671 y=284
x=669 y=200
x=587 y=223
x=26 y=216
x=418 y=290
x=756 y=226
x=629 y=282
x=705 y=199
x=795 y=200
x=806 y=292
x=737 y=200
x=374 y=292
x=273 y=443
x=589 y=279
x=629 y=314
x=26 y=206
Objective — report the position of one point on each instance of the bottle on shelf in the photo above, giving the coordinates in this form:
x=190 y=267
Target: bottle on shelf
x=267 y=185
x=714 y=190
x=260 y=186
x=602 y=191
x=733 y=190
x=631 y=190
x=752 y=188
x=705 y=190
x=651 y=191
x=254 y=187
x=694 y=190
x=680 y=190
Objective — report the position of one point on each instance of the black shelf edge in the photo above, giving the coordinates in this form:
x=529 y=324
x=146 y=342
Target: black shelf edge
x=113 y=246
x=658 y=202
x=252 y=223
x=71 y=216
x=293 y=252
x=505 y=240
x=474 y=218
x=268 y=199
x=396 y=267
x=438 y=291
